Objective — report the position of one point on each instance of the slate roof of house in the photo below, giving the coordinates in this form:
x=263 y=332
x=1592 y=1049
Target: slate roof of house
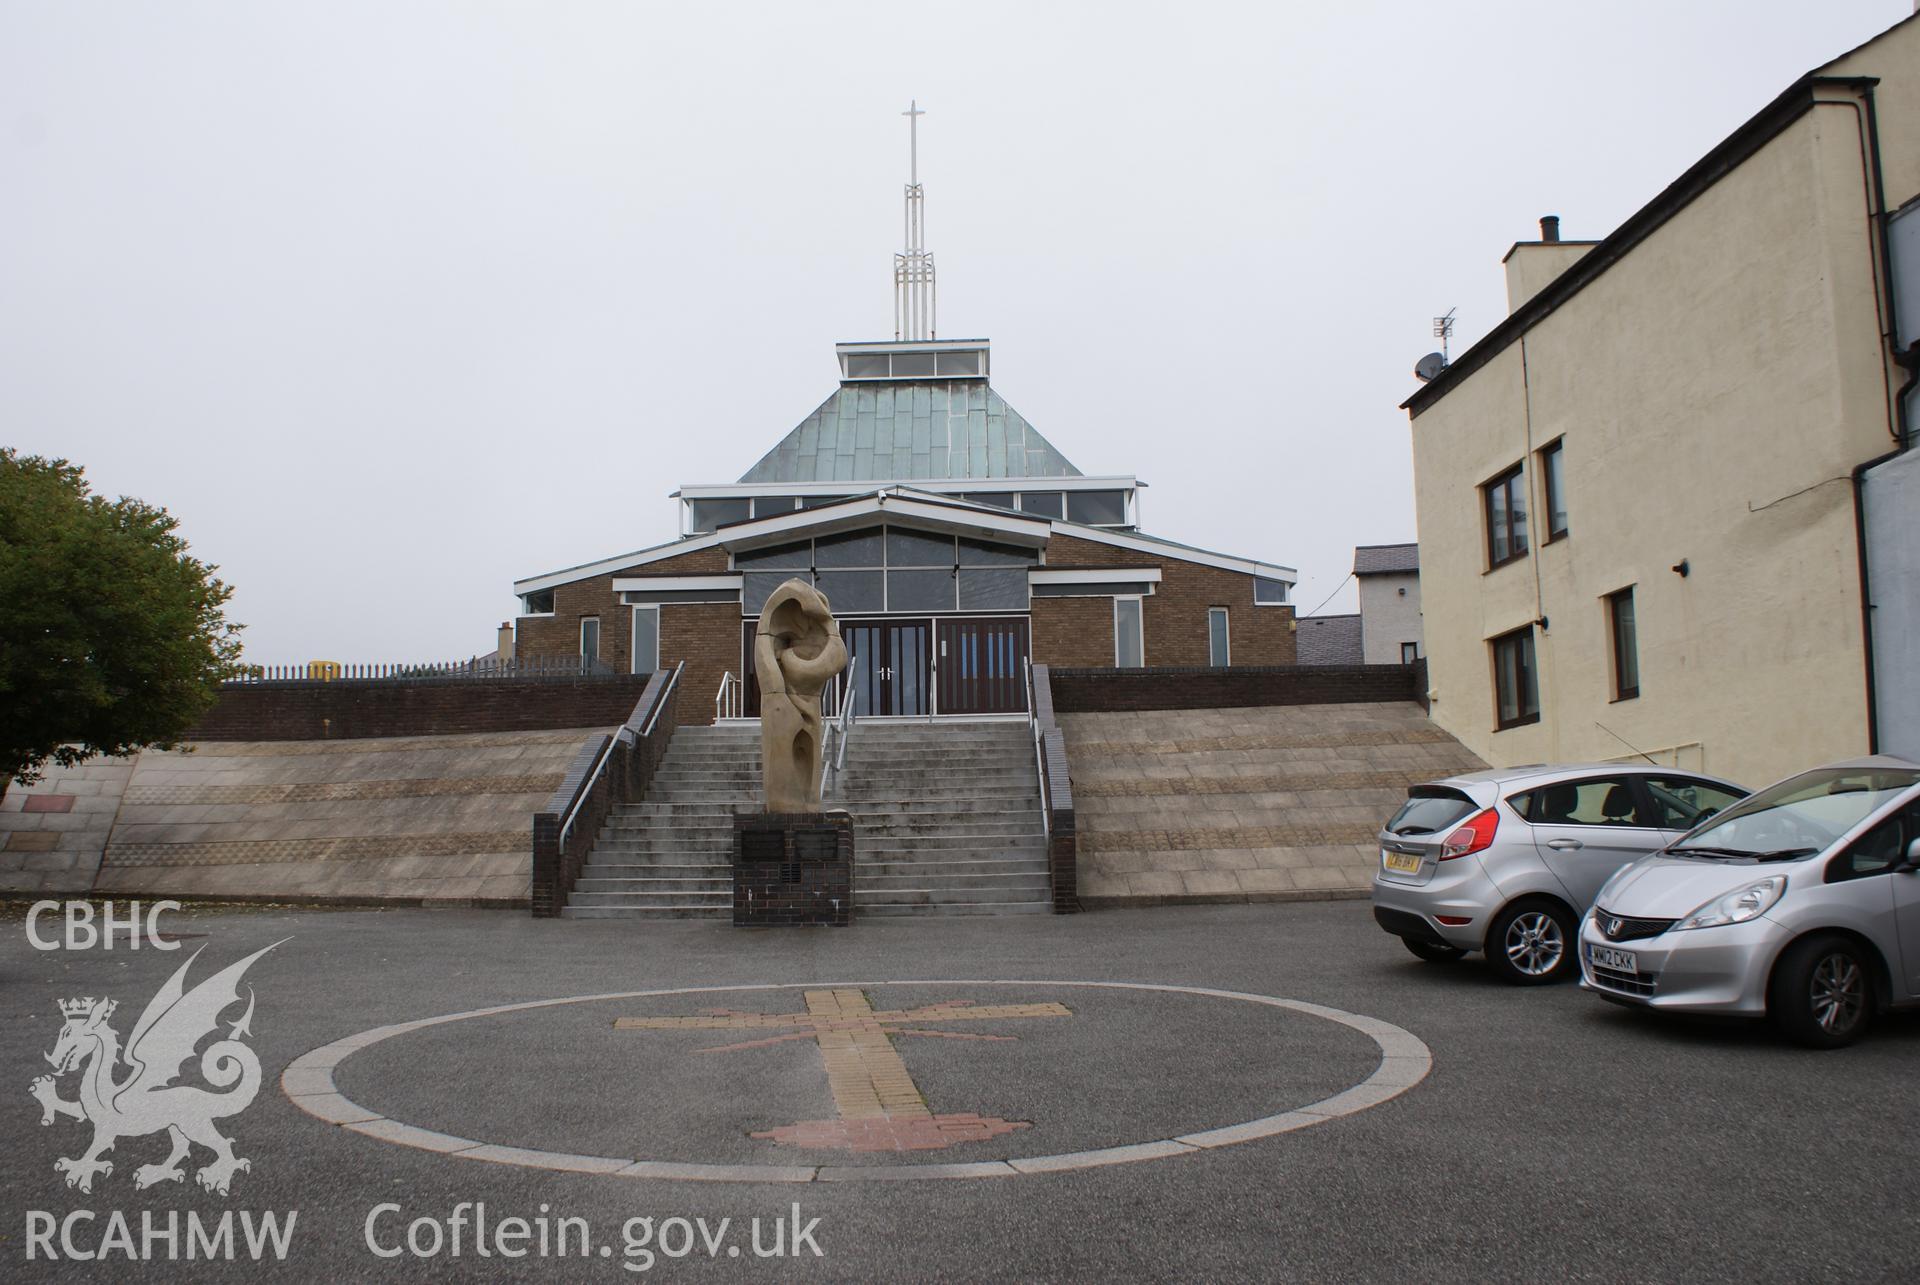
x=899 y=432
x=1385 y=559
x=1328 y=640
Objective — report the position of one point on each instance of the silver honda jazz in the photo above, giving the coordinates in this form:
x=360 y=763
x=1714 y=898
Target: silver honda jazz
x=1801 y=903
x=1507 y=861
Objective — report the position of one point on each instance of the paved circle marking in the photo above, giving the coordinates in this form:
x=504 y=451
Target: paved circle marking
x=308 y=1082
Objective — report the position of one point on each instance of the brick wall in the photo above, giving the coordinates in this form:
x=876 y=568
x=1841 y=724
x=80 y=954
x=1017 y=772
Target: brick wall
x=1097 y=691
x=349 y=708
x=1073 y=631
x=705 y=635
x=559 y=634
x=1079 y=631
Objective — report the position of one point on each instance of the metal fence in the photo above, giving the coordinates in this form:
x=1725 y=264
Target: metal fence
x=324 y=671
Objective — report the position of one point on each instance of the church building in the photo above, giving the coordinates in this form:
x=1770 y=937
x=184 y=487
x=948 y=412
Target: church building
x=954 y=542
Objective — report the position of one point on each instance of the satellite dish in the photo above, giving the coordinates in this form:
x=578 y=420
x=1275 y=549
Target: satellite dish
x=1428 y=368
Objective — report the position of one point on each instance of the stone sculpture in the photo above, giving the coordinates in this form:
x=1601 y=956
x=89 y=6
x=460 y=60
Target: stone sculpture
x=796 y=651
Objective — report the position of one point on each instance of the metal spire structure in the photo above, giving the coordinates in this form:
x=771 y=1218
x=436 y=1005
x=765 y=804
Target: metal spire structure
x=914 y=298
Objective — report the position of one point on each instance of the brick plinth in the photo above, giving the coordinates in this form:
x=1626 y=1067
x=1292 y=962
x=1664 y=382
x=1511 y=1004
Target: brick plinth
x=792 y=868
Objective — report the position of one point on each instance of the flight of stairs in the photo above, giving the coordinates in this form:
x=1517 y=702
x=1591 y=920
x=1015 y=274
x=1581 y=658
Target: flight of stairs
x=946 y=822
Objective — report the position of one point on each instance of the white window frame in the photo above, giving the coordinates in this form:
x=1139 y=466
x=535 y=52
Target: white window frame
x=597 y=638
x=1140 y=603
x=1226 y=636
x=633 y=651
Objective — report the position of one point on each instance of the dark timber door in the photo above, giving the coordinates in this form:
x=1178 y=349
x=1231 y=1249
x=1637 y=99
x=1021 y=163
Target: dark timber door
x=983 y=666
x=892 y=660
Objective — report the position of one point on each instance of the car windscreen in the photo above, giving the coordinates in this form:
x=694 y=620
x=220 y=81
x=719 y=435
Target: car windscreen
x=1430 y=809
x=1803 y=814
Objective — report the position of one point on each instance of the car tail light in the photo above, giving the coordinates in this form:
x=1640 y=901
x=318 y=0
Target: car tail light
x=1475 y=836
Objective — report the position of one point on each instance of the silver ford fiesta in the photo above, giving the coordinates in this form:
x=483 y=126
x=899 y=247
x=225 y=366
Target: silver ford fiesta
x=1507 y=861
x=1801 y=903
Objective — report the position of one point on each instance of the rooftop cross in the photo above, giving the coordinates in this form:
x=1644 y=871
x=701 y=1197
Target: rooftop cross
x=914 y=314
x=913 y=114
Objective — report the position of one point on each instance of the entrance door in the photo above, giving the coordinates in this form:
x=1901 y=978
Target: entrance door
x=892 y=661
x=983 y=666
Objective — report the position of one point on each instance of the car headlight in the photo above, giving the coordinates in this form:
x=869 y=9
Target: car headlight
x=1738 y=906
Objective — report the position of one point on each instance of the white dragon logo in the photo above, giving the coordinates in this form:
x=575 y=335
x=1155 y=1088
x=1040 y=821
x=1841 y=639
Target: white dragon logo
x=146 y=1100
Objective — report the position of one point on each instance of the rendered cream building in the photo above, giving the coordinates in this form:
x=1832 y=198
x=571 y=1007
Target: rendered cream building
x=1641 y=522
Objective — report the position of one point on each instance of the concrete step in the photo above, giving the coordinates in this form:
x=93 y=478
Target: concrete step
x=702 y=809
x=867 y=885
x=663 y=869
x=961 y=769
x=863 y=898
x=595 y=882
x=694 y=851
x=894 y=847
x=667 y=900
x=879 y=910
x=954 y=861
x=644 y=910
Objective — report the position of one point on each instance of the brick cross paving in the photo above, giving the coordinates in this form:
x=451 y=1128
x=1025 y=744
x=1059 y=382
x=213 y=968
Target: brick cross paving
x=880 y=1108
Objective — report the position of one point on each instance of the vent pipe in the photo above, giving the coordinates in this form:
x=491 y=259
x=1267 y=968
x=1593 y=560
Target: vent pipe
x=1550 y=223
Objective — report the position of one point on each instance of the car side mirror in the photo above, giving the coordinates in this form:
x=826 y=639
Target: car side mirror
x=1912 y=863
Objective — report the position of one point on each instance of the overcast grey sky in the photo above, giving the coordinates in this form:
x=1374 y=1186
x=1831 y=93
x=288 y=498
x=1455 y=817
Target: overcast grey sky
x=393 y=303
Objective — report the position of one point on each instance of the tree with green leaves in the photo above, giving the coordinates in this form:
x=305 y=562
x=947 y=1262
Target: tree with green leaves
x=112 y=637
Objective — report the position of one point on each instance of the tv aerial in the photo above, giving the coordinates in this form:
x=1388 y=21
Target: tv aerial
x=1428 y=368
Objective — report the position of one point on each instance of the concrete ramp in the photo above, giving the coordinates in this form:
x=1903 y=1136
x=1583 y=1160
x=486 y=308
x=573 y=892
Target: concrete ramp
x=1266 y=804
x=429 y=819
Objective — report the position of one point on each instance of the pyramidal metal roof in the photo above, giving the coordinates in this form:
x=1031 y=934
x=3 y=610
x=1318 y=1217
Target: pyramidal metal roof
x=904 y=431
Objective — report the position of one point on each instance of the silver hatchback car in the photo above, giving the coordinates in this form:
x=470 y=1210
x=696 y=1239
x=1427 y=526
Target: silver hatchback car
x=1508 y=861
x=1801 y=903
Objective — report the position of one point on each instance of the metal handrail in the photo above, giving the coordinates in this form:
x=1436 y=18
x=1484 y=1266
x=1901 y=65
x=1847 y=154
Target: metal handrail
x=833 y=756
x=661 y=703
x=586 y=788
x=1039 y=753
x=726 y=701
x=624 y=736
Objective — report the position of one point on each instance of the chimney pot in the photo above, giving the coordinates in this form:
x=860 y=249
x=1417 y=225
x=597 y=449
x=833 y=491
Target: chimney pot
x=1550 y=223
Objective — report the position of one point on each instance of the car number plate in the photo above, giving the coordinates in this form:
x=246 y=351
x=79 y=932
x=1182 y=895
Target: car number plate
x=1405 y=862
x=1619 y=960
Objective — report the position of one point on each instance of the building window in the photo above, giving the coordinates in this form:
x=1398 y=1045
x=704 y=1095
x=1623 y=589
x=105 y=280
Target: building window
x=1515 y=686
x=1045 y=504
x=892 y=569
x=1097 y=508
x=1553 y=482
x=1409 y=652
x=1269 y=593
x=590 y=638
x=710 y=515
x=1626 y=645
x=646 y=639
x=1219 y=645
x=537 y=604
x=1505 y=500
x=1129 y=644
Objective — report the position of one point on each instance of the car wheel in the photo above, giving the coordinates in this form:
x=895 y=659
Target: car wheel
x=1821 y=995
x=1531 y=943
x=1433 y=952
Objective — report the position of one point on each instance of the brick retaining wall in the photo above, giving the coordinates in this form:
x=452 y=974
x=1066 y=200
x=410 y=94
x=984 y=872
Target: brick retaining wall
x=1104 y=691
x=348 y=709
